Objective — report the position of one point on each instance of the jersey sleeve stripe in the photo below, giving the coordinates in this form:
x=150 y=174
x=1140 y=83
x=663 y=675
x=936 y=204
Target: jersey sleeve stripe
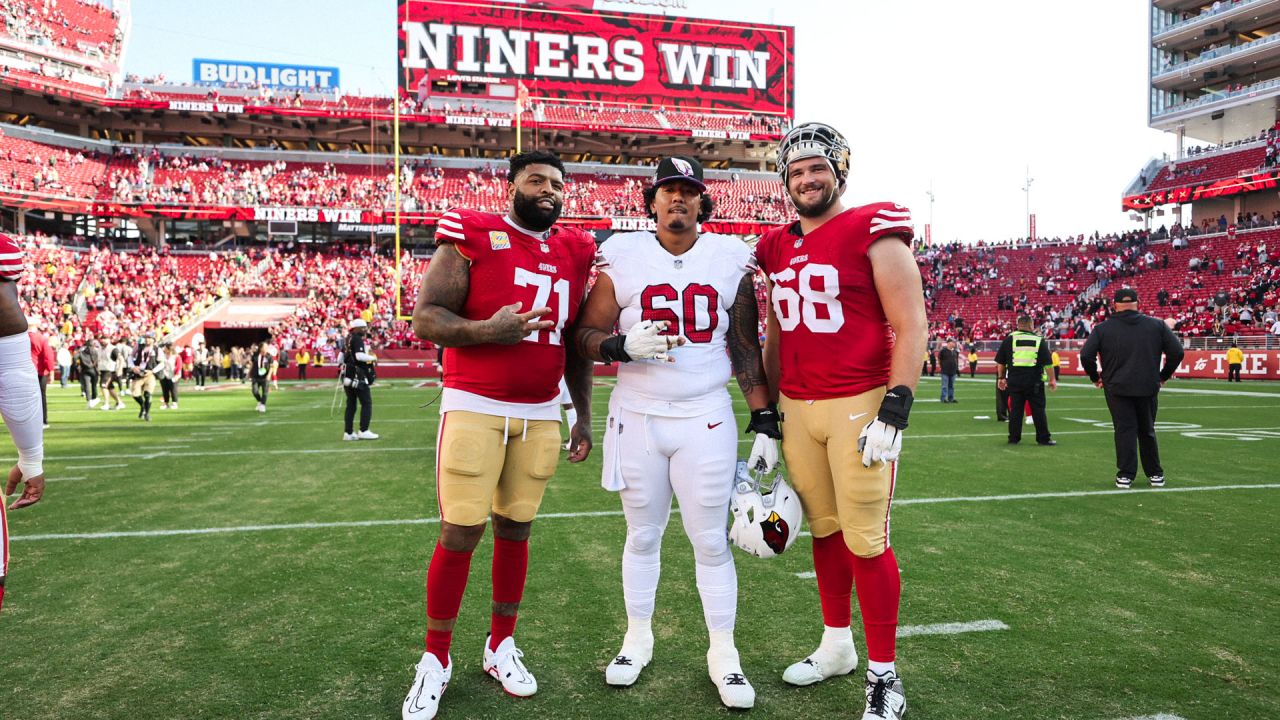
x=450 y=223
x=450 y=233
x=11 y=256
x=882 y=226
x=891 y=214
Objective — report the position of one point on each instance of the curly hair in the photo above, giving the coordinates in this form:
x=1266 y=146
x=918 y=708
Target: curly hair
x=532 y=157
x=707 y=204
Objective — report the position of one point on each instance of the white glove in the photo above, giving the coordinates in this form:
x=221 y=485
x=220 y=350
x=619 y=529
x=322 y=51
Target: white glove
x=764 y=454
x=645 y=341
x=879 y=442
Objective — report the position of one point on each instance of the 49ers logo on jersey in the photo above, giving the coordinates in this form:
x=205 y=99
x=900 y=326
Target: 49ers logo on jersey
x=691 y=312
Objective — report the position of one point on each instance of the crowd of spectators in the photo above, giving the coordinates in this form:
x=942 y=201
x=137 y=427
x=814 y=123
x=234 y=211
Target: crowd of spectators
x=74 y=26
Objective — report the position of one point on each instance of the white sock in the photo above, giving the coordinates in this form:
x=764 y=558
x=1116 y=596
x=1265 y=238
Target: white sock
x=639 y=633
x=721 y=642
x=835 y=636
x=881 y=668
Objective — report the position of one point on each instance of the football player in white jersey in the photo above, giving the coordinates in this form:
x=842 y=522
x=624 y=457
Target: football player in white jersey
x=686 y=298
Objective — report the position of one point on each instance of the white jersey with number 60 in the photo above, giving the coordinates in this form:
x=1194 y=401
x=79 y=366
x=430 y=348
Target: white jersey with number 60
x=693 y=293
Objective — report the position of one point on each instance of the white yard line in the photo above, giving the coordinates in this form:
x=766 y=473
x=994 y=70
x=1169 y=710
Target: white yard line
x=600 y=513
x=65 y=479
x=807 y=575
x=951 y=628
x=98 y=467
x=1082 y=493
x=1158 y=716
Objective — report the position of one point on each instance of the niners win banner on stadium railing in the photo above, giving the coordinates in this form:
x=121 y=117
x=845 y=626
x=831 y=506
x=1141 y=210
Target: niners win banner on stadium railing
x=583 y=55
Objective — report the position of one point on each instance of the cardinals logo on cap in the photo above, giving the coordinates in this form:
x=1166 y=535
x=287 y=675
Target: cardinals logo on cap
x=683 y=166
x=775 y=532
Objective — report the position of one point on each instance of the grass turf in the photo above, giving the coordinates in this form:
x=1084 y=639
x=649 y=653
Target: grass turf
x=1118 y=605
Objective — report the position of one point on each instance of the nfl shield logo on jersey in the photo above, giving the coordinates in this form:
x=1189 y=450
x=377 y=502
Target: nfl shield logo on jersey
x=498 y=240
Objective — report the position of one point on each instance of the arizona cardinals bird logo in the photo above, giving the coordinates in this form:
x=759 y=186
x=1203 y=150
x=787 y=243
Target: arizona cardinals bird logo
x=776 y=532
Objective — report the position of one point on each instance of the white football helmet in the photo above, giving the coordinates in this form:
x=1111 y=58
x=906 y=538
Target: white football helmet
x=765 y=512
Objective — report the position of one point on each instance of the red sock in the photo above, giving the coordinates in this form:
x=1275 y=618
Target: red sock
x=1 y=596
x=446 y=581
x=510 y=567
x=879 y=591
x=833 y=564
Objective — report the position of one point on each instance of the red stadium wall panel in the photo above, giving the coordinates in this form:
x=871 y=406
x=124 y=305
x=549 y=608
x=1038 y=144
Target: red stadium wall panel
x=567 y=55
x=1267 y=180
x=1206 y=364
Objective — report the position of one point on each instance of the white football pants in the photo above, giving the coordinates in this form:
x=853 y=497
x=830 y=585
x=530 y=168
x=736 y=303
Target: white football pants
x=692 y=458
x=20 y=403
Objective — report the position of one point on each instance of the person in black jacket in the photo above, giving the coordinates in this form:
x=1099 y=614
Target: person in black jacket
x=1131 y=345
x=260 y=363
x=949 y=366
x=357 y=376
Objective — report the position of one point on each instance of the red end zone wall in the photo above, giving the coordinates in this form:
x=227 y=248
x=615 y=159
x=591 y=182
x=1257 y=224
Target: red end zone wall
x=1258 y=364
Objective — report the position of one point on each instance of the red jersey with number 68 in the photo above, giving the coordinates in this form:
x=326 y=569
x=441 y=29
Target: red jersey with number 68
x=509 y=265
x=835 y=340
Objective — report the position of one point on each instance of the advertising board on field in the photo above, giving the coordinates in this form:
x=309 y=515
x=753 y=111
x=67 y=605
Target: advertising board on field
x=566 y=55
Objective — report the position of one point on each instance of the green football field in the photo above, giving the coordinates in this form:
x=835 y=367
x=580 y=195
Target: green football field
x=219 y=563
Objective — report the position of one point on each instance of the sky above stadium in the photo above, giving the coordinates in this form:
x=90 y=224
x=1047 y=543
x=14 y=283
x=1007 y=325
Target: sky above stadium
x=958 y=97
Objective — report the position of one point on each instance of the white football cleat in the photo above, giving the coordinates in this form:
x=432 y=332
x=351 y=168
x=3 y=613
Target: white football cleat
x=831 y=659
x=367 y=435
x=505 y=666
x=885 y=697
x=350 y=436
x=429 y=683
x=726 y=672
x=635 y=655
x=94 y=402
x=120 y=405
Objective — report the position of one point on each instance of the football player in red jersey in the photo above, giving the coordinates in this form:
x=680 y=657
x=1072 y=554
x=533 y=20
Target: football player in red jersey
x=19 y=397
x=846 y=331
x=499 y=436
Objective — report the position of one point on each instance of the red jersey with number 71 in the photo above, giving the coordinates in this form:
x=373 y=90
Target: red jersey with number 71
x=509 y=265
x=835 y=340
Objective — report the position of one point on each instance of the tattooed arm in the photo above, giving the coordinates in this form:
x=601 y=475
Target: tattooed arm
x=743 y=340
x=443 y=293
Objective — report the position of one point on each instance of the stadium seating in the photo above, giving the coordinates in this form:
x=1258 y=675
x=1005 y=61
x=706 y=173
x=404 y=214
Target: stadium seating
x=27 y=165
x=71 y=26
x=1196 y=171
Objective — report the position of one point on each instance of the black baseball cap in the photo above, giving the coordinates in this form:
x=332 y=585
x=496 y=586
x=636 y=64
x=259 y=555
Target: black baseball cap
x=679 y=168
x=1126 y=295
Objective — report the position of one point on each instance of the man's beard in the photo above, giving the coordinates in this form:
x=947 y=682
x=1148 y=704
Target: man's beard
x=534 y=216
x=818 y=207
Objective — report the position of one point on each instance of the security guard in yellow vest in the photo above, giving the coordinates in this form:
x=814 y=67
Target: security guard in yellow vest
x=1021 y=364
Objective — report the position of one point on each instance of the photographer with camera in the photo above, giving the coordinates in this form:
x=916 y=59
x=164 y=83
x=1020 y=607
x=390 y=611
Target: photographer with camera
x=357 y=375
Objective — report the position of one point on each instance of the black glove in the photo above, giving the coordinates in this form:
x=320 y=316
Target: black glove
x=614 y=350
x=896 y=406
x=766 y=422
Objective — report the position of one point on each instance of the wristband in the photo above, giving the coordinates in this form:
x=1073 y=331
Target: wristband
x=896 y=406
x=614 y=350
x=765 y=422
